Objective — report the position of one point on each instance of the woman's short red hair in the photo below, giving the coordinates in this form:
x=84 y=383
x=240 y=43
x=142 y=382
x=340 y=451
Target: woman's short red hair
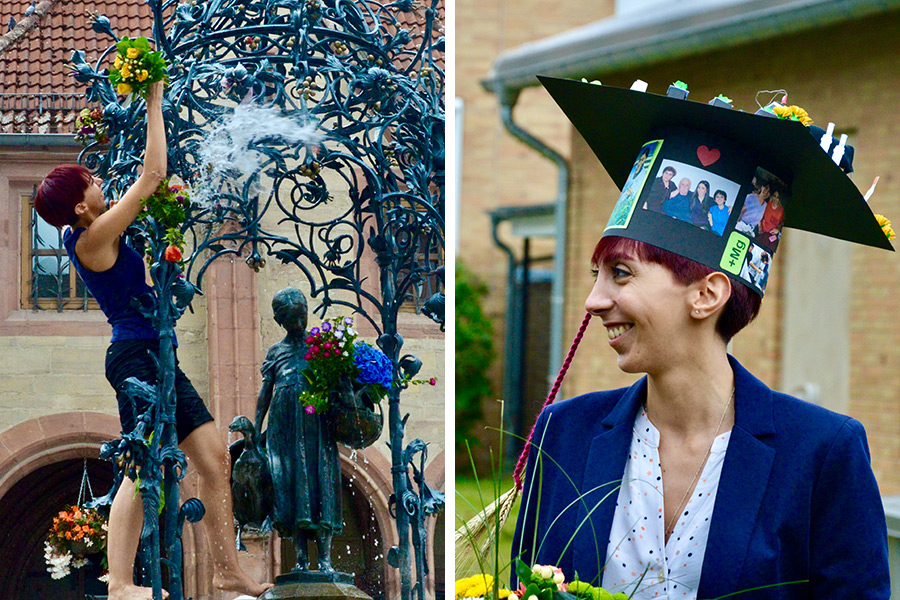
x=741 y=308
x=60 y=191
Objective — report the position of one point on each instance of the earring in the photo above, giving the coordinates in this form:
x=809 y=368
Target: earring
x=696 y=312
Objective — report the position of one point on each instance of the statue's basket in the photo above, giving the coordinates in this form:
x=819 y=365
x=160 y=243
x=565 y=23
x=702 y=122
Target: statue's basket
x=356 y=426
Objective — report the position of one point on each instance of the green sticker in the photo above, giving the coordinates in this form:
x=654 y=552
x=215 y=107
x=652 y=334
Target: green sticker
x=733 y=258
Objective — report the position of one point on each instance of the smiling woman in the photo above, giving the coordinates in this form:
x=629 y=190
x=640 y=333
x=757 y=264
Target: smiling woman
x=698 y=480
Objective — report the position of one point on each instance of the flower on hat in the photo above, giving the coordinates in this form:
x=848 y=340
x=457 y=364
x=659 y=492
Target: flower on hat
x=885 y=224
x=794 y=113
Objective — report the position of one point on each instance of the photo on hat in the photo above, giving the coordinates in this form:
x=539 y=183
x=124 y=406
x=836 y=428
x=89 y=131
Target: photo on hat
x=634 y=185
x=755 y=269
x=688 y=193
x=762 y=216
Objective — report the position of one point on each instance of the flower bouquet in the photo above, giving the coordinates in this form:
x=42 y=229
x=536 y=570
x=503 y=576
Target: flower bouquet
x=136 y=67
x=76 y=532
x=346 y=379
x=481 y=586
x=168 y=206
x=90 y=127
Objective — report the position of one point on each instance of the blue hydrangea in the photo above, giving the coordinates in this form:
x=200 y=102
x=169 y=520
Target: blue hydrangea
x=374 y=366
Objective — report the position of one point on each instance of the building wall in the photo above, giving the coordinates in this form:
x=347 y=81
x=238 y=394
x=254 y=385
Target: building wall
x=497 y=169
x=835 y=78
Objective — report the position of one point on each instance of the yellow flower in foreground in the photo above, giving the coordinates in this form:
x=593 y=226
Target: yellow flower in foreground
x=118 y=62
x=126 y=72
x=133 y=52
x=885 y=224
x=123 y=88
x=142 y=75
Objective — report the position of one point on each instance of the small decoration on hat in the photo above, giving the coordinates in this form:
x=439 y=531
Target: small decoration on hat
x=678 y=90
x=885 y=225
x=721 y=101
x=794 y=113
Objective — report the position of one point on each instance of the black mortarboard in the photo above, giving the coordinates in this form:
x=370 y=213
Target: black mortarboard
x=771 y=172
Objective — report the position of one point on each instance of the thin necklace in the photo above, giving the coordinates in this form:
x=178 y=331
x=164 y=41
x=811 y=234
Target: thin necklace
x=670 y=529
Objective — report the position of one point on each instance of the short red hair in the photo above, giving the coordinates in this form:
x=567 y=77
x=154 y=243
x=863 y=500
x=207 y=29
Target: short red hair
x=741 y=308
x=60 y=191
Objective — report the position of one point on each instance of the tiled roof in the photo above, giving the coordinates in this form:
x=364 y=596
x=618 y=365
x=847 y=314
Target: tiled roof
x=36 y=64
x=37 y=91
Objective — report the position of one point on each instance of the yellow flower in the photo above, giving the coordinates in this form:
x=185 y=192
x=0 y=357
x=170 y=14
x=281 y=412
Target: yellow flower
x=885 y=224
x=133 y=52
x=503 y=593
x=142 y=75
x=126 y=72
x=118 y=62
x=123 y=88
x=788 y=112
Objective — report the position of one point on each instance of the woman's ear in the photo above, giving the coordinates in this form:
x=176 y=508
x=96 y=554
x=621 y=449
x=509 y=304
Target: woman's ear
x=80 y=208
x=711 y=293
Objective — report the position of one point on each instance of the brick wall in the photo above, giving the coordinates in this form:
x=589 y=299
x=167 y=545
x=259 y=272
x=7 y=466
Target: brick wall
x=497 y=169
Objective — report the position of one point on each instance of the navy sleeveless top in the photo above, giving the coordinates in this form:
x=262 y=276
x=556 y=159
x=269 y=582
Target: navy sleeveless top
x=116 y=288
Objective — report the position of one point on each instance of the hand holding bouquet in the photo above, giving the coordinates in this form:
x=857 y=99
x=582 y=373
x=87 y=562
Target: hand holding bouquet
x=136 y=67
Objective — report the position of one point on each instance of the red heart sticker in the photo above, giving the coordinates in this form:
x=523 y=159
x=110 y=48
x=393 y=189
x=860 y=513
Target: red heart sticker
x=707 y=156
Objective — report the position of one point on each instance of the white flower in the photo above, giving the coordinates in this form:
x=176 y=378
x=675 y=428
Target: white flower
x=104 y=578
x=558 y=578
x=547 y=572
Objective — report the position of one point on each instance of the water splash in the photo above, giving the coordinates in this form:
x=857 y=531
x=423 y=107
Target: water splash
x=231 y=150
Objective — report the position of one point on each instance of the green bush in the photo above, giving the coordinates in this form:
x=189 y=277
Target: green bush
x=474 y=353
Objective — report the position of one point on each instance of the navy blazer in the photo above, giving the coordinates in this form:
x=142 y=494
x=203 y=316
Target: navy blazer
x=797 y=498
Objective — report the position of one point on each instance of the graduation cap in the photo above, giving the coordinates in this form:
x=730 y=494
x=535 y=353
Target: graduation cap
x=715 y=184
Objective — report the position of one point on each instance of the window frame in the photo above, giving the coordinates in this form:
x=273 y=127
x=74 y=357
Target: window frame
x=27 y=301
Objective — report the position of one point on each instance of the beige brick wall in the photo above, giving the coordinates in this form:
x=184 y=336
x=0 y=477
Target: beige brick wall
x=497 y=169
x=835 y=77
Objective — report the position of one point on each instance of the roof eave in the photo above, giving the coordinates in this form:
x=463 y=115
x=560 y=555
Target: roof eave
x=670 y=32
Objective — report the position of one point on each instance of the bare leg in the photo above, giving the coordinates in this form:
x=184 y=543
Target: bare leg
x=323 y=543
x=126 y=518
x=210 y=457
x=301 y=546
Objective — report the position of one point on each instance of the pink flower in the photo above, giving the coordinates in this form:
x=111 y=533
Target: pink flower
x=327 y=345
x=307 y=356
x=310 y=409
x=432 y=381
x=326 y=354
x=315 y=350
x=310 y=340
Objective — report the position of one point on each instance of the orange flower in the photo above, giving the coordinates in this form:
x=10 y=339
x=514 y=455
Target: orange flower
x=173 y=254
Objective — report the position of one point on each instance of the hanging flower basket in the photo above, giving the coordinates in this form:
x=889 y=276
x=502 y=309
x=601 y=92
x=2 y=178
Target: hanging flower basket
x=76 y=534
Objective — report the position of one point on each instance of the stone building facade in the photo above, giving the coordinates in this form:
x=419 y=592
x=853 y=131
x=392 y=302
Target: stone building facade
x=56 y=407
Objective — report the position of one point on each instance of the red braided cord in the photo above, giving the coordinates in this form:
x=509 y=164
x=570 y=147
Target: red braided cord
x=523 y=458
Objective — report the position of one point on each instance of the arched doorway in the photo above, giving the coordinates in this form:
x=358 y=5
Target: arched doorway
x=26 y=513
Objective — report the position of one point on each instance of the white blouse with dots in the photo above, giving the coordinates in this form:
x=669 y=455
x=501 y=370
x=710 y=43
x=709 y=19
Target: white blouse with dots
x=637 y=539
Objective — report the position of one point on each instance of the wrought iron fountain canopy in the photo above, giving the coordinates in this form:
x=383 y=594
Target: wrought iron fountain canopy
x=311 y=132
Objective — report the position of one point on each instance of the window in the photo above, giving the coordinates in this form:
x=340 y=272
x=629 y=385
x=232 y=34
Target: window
x=49 y=282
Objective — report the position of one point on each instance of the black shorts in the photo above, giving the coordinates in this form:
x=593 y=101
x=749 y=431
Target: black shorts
x=131 y=358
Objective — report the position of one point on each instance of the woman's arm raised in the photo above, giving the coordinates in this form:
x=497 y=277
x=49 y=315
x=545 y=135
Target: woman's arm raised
x=107 y=227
